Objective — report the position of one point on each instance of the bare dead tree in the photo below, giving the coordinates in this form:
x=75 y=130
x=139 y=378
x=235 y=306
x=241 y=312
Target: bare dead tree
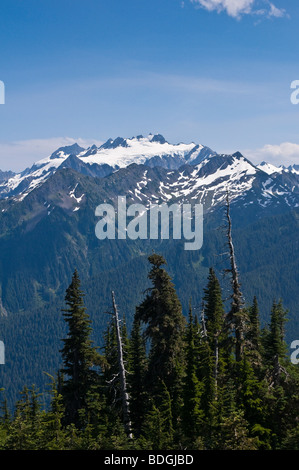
x=122 y=373
x=236 y=314
x=203 y=321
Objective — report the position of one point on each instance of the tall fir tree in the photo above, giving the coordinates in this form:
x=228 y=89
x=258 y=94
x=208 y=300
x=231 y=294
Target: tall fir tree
x=136 y=377
x=215 y=355
x=253 y=334
x=192 y=414
x=55 y=434
x=158 y=430
x=252 y=390
x=80 y=357
x=275 y=347
x=216 y=326
x=253 y=339
x=277 y=373
x=161 y=312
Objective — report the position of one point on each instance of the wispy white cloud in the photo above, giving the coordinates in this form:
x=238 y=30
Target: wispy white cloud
x=238 y=8
x=286 y=153
x=233 y=8
x=276 y=12
x=173 y=83
x=20 y=154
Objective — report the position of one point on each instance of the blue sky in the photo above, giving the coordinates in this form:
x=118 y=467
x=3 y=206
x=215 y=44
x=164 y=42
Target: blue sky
x=216 y=72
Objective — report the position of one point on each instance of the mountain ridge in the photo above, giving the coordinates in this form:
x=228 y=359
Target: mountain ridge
x=152 y=151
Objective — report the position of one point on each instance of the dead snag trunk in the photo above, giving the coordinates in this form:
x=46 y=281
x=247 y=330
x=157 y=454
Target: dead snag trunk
x=236 y=315
x=122 y=373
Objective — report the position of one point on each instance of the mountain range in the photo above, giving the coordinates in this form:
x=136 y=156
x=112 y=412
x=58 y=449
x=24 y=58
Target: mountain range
x=200 y=166
x=47 y=222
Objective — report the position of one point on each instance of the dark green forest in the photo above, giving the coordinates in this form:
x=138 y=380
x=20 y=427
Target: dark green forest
x=213 y=380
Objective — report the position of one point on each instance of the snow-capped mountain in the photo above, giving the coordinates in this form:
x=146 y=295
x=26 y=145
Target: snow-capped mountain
x=191 y=172
x=208 y=183
x=101 y=161
x=153 y=150
x=270 y=168
x=294 y=169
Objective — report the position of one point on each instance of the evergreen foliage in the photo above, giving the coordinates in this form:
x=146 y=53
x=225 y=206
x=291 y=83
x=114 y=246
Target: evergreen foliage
x=79 y=356
x=161 y=312
x=188 y=387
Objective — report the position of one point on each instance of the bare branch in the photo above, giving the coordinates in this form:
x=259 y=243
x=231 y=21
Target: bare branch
x=122 y=372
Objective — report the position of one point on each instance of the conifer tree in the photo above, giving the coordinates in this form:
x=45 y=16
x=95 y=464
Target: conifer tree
x=253 y=339
x=277 y=373
x=79 y=355
x=253 y=334
x=19 y=437
x=215 y=356
x=216 y=328
x=161 y=312
x=251 y=401
x=110 y=377
x=234 y=433
x=277 y=331
x=136 y=377
x=193 y=414
x=5 y=419
x=158 y=427
x=254 y=330
x=275 y=346
x=54 y=432
x=26 y=430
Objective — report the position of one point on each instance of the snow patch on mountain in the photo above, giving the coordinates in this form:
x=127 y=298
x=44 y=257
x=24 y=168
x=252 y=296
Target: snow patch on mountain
x=190 y=172
x=136 y=150
x=72 y=194
x=114 y=154
x=269 y=168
